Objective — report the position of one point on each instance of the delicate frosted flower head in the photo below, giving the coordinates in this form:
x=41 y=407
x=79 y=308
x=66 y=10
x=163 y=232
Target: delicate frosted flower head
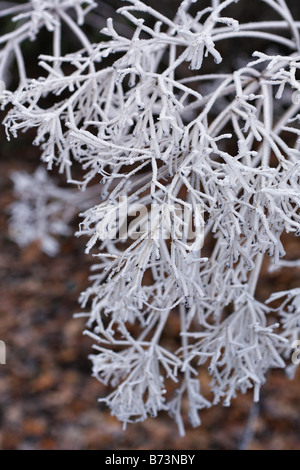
x=148 y=124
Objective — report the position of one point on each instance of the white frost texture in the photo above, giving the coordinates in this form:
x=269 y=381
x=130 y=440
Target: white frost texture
x=152 y=111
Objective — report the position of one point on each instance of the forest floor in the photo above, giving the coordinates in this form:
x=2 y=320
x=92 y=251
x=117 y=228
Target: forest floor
x=48 y=399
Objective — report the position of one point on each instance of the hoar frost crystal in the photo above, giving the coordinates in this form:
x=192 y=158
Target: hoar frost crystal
x=148 y=121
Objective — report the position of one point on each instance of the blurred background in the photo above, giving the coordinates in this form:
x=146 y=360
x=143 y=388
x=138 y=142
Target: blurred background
x=48 y=399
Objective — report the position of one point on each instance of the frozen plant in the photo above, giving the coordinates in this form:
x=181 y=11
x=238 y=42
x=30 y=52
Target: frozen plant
x=155 y=118
x=42 y=210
